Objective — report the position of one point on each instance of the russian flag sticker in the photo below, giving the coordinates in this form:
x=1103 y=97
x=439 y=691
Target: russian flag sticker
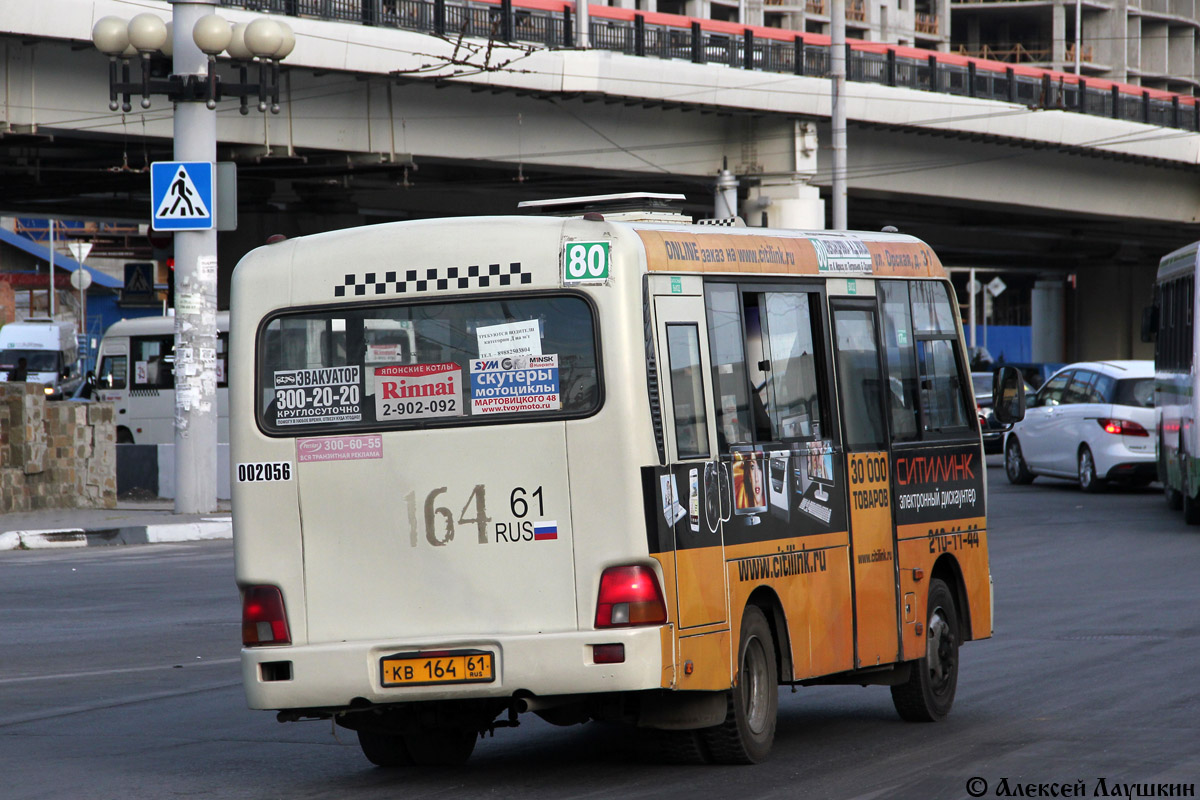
x=544 y=531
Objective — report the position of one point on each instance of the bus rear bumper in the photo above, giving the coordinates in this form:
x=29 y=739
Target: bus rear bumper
x=335 y=675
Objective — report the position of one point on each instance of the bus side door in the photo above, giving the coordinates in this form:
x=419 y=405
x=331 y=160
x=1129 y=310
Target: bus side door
x=681 y=333
x=861 y=397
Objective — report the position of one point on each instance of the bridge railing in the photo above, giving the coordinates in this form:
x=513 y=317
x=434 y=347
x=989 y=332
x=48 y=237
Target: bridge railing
x=551 y=23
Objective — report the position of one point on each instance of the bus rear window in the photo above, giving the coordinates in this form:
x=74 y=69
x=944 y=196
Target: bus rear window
x=372 y=367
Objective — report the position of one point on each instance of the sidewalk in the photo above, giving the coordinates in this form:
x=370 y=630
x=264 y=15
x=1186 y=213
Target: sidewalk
x=131 y=522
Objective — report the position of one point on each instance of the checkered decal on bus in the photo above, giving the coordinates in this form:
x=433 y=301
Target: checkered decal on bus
x=421 y=280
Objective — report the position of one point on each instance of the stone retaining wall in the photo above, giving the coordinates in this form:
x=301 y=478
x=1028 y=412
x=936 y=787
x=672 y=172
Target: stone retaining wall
x=55 y=454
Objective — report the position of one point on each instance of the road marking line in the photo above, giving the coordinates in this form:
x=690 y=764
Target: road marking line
x=122 y=671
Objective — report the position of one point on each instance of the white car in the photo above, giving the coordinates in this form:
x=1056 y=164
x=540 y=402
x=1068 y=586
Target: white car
x=1093 y=422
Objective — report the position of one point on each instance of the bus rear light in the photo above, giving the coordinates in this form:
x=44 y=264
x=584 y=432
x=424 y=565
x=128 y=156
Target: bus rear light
x=1122 y=427
x=608 y=653
x=629 y=596
x=263 y=619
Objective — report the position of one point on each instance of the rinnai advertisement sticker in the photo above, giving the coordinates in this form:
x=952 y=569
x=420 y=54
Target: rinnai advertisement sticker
x=418 y=391
x=504 y=385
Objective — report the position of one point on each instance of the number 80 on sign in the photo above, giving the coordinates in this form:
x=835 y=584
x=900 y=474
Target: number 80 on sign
x=586 y=262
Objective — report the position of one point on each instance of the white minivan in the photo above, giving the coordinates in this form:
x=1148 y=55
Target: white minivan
x=1092 y=422
x=50 y=351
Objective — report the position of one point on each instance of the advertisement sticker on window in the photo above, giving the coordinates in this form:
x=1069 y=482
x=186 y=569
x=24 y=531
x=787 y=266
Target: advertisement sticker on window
x=510 y=339
x=418 y=391
x=311 y=396
x=501 y=385
x=384 y=353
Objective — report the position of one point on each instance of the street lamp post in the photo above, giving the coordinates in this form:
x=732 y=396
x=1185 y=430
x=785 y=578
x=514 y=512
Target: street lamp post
x=193 y=38
x=195 y=291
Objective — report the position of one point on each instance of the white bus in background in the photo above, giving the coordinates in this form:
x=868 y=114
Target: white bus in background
x=136 y=374
x=1171 y=324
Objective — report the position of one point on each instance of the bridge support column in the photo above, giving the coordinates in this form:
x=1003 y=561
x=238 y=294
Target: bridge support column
x=1048 y=319
x=785 y=163
x=1110 y=298
x=786 y=203
x=1058 y=34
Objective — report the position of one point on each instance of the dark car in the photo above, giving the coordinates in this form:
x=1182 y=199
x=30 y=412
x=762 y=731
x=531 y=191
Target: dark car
x=991 y=429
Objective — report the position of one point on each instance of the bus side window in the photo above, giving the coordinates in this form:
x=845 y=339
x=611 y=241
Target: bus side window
x=765 y=385
x=687 y=391
x=758 y=366
x=943 y=387
x=153 y=362
x=858 y=385
x=222 y=355
x=112 y=372
x=1189 y=284
x=728 y=365
x=901 y=359
x=794 y=409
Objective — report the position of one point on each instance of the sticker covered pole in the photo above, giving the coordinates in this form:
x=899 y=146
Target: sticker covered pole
x=195 y=290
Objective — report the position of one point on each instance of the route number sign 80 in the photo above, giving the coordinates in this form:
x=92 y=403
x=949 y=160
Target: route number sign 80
x=586 y=262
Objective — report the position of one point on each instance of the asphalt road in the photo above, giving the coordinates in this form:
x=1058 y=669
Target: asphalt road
x=119 y=679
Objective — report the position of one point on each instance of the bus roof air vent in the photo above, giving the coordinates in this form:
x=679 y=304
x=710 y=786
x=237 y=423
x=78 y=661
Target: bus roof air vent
x=626 y=207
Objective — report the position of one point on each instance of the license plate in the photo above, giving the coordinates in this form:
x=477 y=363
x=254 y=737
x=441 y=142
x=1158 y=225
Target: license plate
x=444 y=666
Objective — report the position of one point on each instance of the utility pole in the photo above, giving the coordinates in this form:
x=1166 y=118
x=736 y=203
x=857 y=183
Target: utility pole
x=837 y=74
x=195 y=288
x=51 y=221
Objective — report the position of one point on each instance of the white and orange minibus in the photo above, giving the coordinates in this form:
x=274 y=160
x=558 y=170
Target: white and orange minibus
x=600 y=469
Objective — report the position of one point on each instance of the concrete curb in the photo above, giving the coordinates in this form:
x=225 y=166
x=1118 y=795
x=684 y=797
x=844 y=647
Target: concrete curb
x=132 y=534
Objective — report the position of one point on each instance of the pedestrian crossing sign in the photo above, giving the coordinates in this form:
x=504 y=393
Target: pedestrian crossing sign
x=181 y=195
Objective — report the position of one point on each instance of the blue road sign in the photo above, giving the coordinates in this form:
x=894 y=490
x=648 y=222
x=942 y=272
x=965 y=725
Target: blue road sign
x=139 y=284
x=181 y=195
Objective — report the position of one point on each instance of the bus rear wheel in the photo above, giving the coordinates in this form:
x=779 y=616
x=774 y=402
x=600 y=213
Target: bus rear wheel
x=1191 y=506
x=384 y=749
x=442 y=747
x=1173 y=496
x=748 y=732
x=928 y=694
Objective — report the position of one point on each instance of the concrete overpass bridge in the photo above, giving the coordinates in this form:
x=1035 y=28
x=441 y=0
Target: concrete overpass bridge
x=997 y=166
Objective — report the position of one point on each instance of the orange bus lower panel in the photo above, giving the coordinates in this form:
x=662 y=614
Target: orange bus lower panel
x=874 y=560
x=813 y=587
x=700 y=583
x=704 y=662
x=918 y=557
